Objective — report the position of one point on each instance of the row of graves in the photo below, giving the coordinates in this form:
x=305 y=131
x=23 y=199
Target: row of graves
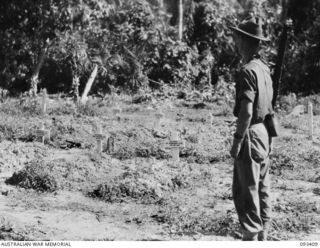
x=174 y=143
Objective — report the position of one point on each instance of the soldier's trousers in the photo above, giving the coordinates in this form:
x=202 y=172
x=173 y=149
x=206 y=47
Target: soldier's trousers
x=251 y=181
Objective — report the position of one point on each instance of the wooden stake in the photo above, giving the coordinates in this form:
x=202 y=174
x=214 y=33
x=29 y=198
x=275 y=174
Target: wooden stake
x=310 y=114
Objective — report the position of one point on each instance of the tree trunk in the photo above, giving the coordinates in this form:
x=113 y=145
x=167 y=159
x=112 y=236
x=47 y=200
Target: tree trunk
x=91 y=79
x=180 y=23
x=75 y=88
x=35 y=75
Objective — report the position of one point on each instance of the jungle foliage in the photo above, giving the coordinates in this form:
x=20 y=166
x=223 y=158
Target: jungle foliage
x=135 y=45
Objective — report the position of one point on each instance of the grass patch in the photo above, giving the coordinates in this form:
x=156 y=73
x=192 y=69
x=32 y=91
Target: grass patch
x=186 y=221
x=280 y=163
x=292 y=223
x=25 y=106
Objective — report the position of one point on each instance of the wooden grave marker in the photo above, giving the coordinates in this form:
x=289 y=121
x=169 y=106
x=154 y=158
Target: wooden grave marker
x=99 y=136
x=43 y=133
x=310 y=115
x=174 y=146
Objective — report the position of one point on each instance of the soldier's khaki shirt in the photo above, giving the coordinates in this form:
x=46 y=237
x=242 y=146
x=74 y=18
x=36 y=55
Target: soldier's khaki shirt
x=254 y=83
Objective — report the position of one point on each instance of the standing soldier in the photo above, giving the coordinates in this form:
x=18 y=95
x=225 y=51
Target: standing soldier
x=251 y=143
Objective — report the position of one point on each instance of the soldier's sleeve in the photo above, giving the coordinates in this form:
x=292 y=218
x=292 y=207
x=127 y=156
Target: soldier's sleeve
x=246 y=85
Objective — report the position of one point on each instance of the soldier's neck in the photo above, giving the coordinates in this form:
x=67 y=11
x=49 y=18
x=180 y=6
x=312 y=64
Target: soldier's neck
x=248 y=56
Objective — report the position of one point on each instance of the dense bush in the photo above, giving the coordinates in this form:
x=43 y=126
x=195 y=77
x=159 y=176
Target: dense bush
x=207 y=29
x=303 y=63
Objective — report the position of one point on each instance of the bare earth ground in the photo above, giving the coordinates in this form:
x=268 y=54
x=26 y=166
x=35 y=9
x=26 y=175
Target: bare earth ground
x=54 y=191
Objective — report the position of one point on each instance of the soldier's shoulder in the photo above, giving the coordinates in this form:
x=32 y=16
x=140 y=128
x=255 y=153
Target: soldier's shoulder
x=255 y=64
x=252 y=64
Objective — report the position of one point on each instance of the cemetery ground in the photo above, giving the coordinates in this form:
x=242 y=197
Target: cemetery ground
x=63 y=189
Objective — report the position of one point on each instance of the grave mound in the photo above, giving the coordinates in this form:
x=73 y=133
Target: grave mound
x=33 y=177
x=142 y=191
x=140 y=186
x=137 y=143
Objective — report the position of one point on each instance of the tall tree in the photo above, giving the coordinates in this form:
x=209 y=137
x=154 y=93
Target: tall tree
x=28 y=28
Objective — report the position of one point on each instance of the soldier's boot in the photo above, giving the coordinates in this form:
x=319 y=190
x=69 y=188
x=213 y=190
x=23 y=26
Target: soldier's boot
x=246 y=236
x=262 y=236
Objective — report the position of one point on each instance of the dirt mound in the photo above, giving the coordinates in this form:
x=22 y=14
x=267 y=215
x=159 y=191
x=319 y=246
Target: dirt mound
x=34 y=177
